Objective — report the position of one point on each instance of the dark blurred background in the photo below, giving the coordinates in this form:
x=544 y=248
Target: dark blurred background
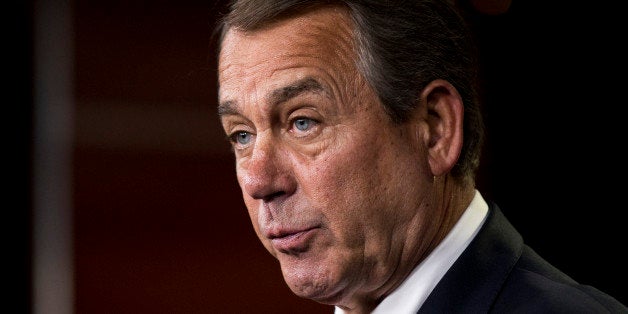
x=122 y=195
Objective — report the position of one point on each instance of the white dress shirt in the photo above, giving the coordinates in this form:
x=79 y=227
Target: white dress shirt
x=411 y=294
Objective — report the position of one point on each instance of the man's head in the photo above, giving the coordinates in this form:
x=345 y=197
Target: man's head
x=400 y=47
x=341 y=120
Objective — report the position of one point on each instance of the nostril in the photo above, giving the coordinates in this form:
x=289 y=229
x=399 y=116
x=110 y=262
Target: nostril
x=273 y=196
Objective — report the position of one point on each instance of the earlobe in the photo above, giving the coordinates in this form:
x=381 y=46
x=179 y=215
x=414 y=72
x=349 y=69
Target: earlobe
x=445 y=111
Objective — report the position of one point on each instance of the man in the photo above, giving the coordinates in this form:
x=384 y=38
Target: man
x=357 y=133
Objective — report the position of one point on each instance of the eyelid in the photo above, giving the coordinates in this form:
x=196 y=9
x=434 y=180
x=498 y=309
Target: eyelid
x=234 y=130
x=236 y=124
x=232 y=136
x=293 y=120
x=303 y=112
x=312 y=130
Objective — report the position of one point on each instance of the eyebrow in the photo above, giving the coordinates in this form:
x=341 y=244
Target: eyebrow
x=227 y=108
x=280 y=95
x=295 y=89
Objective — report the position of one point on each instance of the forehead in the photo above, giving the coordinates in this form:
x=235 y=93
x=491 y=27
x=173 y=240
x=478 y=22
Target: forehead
x=319 y=41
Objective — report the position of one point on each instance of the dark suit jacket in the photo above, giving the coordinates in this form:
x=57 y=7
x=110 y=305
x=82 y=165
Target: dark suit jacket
x=498 y=273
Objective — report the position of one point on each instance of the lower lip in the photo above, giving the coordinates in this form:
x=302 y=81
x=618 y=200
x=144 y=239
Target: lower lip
x=294 y=243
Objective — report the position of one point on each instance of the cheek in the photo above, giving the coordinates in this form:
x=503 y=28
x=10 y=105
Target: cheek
x=345 y=185
x=252 y=207
x=365 y=187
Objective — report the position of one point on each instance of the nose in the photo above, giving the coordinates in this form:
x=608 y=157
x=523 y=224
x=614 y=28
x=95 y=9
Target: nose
x=267 y=174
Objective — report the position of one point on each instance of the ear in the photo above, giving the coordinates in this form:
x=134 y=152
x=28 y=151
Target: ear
x=445 y=113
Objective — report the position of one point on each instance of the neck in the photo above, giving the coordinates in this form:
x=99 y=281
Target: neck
x=452 y=198
x=448 y=202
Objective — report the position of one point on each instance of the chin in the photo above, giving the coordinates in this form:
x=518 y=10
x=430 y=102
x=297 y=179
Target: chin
x=318 y=292
x=311 y=280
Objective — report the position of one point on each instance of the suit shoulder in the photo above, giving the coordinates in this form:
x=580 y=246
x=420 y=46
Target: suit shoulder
x=535 y=285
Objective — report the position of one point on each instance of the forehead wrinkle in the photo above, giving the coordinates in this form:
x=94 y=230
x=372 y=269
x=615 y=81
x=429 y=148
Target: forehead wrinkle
x=300 y=49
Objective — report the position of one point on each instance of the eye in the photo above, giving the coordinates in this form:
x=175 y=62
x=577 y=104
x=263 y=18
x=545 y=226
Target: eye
x=241 y=138
x=303 y=124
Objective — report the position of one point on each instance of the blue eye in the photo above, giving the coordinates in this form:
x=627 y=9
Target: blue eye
x=303 y=124
x=242 y=138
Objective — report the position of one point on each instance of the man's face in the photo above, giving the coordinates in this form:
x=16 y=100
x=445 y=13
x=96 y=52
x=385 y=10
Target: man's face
x=332 y=186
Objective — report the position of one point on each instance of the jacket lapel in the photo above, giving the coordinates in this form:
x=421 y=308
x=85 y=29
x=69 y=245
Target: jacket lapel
x=475 y=279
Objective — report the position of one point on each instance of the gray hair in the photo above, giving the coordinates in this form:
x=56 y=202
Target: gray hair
x=402 y=46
